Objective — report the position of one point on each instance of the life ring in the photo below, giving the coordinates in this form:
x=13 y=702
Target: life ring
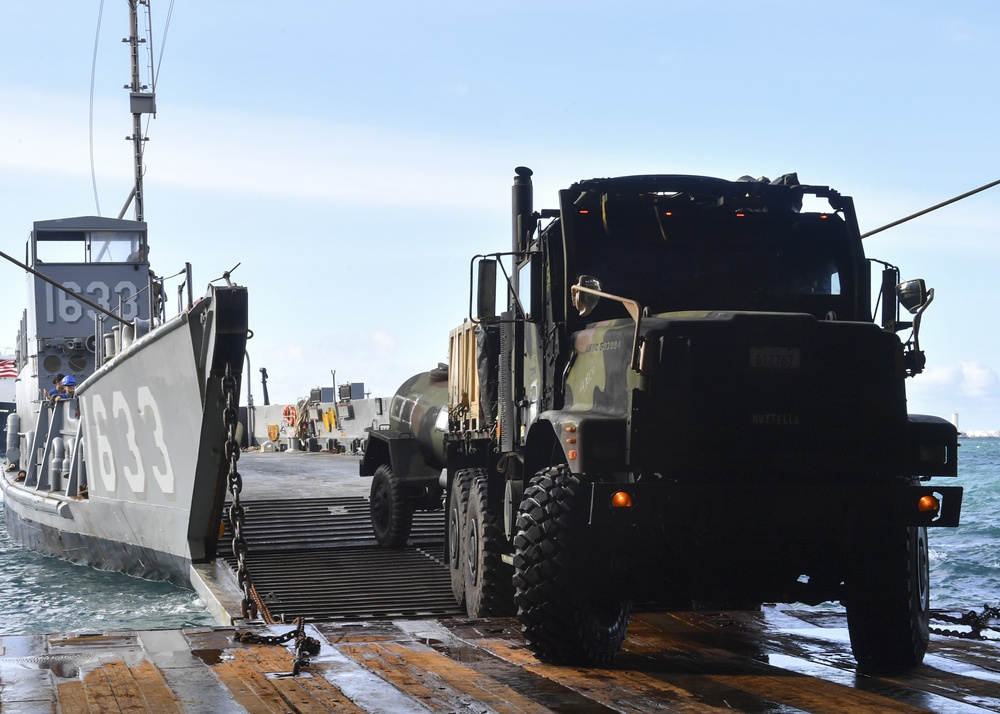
x=289 y=415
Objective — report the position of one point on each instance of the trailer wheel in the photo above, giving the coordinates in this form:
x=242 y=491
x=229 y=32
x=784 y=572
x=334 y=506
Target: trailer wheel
x=888 y=599
x=457 y=506
x=392 y=516
x=489 y=584
x=565 y=618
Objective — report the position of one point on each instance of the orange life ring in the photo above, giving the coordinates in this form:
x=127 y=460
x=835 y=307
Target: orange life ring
x=289 y=414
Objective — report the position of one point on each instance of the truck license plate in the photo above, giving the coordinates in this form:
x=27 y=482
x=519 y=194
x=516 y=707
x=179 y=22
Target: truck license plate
x=775 y=357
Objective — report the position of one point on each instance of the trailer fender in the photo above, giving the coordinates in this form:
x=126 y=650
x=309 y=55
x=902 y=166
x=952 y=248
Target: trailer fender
x=401 y=451
x=376 y=454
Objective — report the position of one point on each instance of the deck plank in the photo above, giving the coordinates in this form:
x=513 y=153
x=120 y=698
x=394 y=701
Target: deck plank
x=100 y=694
x=466 y=681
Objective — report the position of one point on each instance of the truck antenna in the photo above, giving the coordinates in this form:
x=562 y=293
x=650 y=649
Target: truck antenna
x=932 y=208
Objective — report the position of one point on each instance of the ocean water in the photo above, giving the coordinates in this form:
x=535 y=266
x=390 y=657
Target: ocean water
x=965 y=561
x=43 y=595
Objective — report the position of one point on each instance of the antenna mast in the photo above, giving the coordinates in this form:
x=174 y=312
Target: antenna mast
x=140 y=102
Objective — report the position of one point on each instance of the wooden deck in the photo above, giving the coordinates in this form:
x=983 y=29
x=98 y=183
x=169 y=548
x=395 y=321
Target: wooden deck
x=779 y=660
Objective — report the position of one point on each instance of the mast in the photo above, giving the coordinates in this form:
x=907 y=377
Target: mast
x=140 y=102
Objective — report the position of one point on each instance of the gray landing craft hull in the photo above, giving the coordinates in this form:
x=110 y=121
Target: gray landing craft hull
x=149 y=445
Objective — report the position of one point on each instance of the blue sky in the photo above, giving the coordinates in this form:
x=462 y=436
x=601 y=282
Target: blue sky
x=353 y=156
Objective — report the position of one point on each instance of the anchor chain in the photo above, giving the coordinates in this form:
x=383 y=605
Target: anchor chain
x=230 y=417
x=975 y=621
x=305 y=646
x=252 y=603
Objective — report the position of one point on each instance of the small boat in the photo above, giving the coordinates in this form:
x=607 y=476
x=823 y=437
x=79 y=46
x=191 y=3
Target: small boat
x=124 y=464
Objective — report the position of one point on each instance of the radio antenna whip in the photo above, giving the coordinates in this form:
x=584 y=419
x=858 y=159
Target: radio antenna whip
x=932 y=208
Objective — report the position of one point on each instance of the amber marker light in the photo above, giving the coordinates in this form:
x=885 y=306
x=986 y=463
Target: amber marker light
x=621 y=499
x=928 y=504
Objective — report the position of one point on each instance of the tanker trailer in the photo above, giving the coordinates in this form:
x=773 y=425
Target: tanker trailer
x=406 y=459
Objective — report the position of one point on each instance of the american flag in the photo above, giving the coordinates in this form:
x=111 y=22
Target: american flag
x=8 y=369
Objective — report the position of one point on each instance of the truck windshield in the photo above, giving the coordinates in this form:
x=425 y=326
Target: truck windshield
x=714 y=260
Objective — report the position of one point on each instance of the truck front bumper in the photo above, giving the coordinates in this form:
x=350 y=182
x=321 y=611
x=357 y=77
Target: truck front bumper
x=656 y=509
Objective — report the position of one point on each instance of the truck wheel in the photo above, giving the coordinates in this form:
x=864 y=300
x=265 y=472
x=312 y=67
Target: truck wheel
x=489 y=583
x=391 y=515
x=563 y=618
x=888 y=599
x=457 y=506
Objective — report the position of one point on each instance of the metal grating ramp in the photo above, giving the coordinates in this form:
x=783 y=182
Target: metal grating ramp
x=318 y=558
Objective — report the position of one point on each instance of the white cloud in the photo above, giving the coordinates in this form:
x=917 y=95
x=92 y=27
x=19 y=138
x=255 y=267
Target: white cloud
x=969 y=388
x=967 y=379
x=284 y=156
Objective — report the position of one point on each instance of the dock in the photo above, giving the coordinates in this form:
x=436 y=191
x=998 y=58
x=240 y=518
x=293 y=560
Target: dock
x=390 y=639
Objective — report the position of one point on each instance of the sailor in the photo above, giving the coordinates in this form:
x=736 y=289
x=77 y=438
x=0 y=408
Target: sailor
x=69 y=387
x=58 y=389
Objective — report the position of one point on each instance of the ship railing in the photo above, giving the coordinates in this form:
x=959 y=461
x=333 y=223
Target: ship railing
x=56 y=467
x=121 y=336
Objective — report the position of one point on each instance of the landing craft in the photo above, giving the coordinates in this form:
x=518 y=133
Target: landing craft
x=129 y=471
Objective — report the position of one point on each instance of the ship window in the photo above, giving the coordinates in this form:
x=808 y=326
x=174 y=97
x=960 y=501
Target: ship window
x=68 y=250
x=90 y=247
x=116 y=247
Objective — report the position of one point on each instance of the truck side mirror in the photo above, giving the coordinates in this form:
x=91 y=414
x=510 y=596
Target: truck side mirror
x=912 y=294
x=486 y=291
x=585 y=302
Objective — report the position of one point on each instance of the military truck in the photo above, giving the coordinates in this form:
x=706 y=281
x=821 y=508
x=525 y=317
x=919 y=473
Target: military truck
x=685 y=401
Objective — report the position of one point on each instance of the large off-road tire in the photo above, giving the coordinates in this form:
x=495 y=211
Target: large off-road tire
x=391 y=513
x=489 y=582
x=567 y=617
x=458 y=504
x=888 y=599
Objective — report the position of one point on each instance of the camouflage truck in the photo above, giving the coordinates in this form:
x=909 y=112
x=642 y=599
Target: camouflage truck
x=686 y=401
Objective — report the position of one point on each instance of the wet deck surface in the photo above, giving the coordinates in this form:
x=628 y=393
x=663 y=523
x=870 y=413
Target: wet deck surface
x=775 y=661
x=782 y=659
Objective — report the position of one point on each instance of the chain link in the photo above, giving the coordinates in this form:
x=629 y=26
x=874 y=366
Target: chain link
x=252 y=604
x=975 y=621
x=305 y=646
x=230 y=417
